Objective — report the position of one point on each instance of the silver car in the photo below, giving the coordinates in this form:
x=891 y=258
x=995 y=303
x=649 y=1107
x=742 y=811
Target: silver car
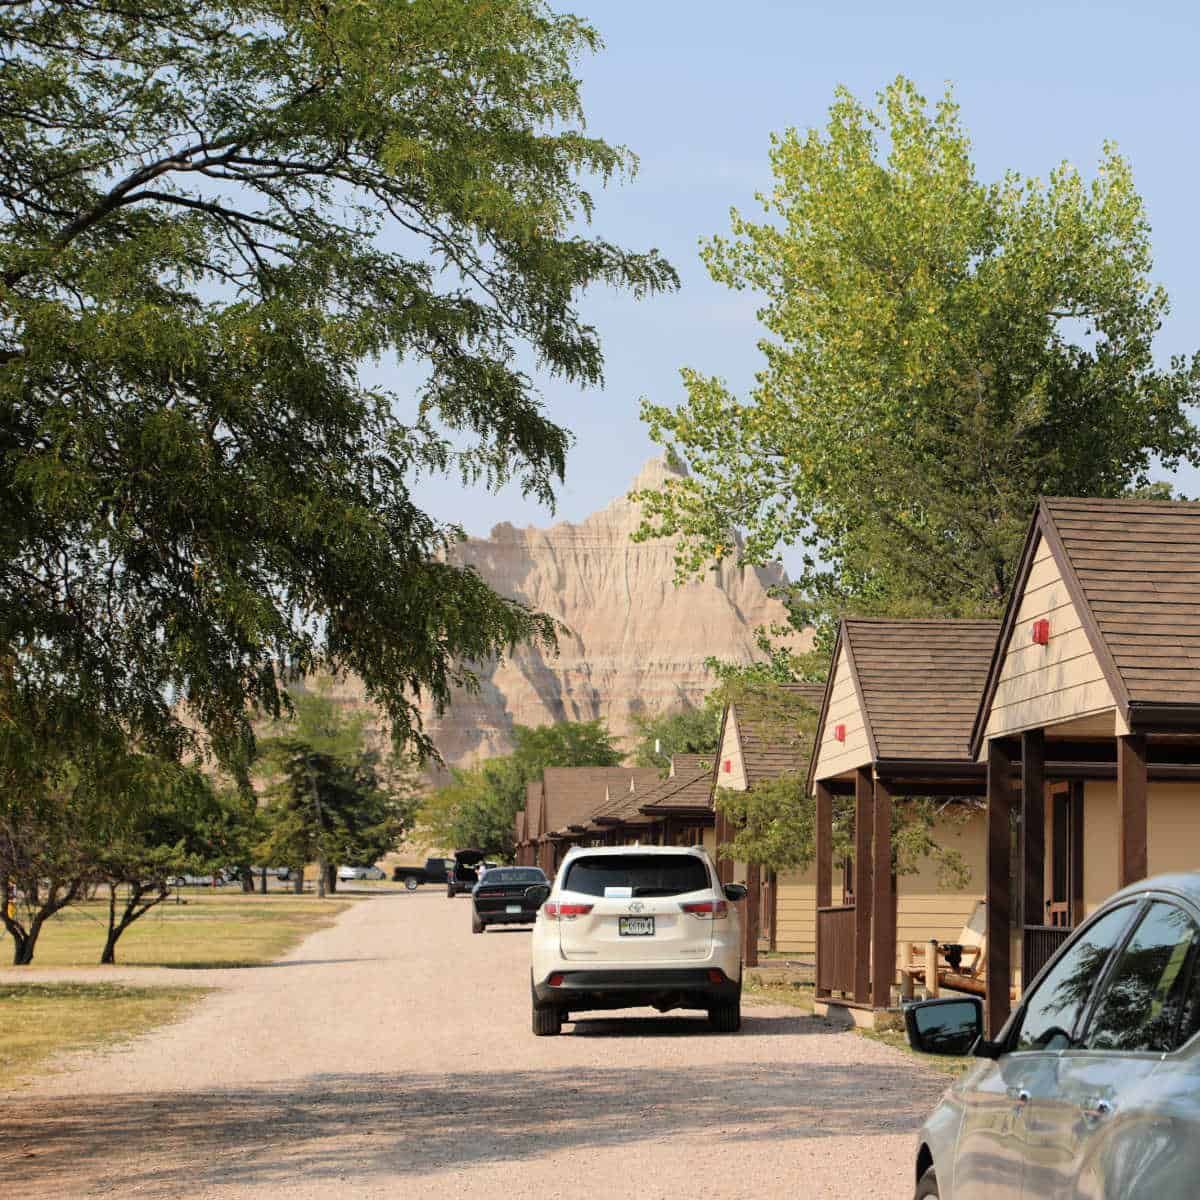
x=1092 y=1089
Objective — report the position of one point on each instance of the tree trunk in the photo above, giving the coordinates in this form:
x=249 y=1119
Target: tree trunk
x=246 y=877
x=298 y=881
x=322 y=876
x=23 y=950
x=136 y=907
x=262 y=883
x=331 y=877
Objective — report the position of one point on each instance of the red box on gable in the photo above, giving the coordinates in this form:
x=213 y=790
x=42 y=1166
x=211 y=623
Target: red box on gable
x=727 y=766
x=839 y=732
x=1041 y=632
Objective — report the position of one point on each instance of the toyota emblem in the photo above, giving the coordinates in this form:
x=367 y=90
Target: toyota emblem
x=636 y=906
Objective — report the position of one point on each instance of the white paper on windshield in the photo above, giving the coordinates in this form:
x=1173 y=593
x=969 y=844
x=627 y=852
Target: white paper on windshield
x=618 y=893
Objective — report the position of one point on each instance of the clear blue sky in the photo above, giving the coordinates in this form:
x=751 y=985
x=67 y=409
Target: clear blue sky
x=695 y=89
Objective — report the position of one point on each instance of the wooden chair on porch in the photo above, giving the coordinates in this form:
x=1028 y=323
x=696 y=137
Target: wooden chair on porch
x=960 y=966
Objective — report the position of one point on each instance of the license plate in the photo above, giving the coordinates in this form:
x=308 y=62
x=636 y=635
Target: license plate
x=513 y=908
x=635 y=926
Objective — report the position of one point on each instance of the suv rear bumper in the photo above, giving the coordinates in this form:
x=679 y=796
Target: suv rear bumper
x=661 y=988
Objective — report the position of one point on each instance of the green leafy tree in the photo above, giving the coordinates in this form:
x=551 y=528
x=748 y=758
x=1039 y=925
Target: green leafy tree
x=690 y=730
x=155 y=820
x=213 y=215
x=939 y=351
x=478 y=807
x=327 y=794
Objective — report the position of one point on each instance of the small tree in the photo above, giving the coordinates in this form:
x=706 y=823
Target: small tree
x=156 y=820
x=325 y=796
x=687 y=730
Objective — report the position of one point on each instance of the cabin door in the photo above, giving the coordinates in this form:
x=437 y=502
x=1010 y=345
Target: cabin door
x=1064 y=909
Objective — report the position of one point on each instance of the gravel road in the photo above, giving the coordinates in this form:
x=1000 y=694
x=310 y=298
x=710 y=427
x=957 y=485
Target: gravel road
x=391 y=1055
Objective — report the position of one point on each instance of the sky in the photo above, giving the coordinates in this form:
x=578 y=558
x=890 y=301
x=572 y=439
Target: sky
x=695 y=90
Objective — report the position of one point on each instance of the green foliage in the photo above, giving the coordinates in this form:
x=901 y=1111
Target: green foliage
x=685 y=731
x=478 y=807
x=330 y=798
x=940 y=351
x=214 y=214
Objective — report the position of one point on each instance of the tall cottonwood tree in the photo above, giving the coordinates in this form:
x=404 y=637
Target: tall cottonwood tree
x=939 y=351
x=213 y=213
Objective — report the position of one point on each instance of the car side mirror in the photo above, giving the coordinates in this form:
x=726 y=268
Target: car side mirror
x=539 y=893
x=946 y=1027
x=736 y=891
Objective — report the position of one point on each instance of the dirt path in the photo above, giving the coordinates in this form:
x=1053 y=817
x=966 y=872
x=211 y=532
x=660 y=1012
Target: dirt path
x=391 y=1055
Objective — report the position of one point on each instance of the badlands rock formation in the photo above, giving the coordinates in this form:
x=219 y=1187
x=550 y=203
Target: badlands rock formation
x=637 y=643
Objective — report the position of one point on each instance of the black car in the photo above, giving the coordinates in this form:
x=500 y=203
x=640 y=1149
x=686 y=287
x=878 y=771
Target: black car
x=499 y=897
x=464 y=874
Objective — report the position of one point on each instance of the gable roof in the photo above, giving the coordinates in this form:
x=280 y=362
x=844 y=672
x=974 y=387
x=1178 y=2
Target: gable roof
x=573 y=795
x=688 y=788
x=1132 y=570
x=764 y=755
x=918 y=684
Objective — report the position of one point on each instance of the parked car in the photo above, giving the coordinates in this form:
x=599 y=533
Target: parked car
x=1091 y=1088
x=464 y=874
x=434 y=871
x=637 y=925
x=217 y=880
x=347 y=873
x=501 y=897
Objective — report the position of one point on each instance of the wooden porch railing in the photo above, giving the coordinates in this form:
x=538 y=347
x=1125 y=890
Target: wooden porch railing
x=1038 y=946
x=835 y=949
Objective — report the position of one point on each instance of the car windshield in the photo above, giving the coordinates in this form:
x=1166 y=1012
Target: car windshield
x=644 y=874
x=515 y=875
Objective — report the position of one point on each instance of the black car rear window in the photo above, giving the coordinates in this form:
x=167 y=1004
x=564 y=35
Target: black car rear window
x=646 y=874
x=515 y=875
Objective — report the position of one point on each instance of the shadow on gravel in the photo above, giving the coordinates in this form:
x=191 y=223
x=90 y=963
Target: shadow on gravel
x=190 y=1144
x=226 y=965
x=665 y=1027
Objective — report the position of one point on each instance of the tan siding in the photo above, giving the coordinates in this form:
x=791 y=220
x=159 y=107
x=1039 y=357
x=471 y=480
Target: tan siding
x=1058 y=682
x=834 y=757
x=731 y=752
x=923 y=909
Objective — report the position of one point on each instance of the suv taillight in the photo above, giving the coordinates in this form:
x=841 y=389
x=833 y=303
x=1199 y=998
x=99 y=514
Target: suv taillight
x=707 y=910
x=555 y=911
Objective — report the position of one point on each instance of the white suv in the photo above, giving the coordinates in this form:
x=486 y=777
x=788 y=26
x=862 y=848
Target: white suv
x=625 y=926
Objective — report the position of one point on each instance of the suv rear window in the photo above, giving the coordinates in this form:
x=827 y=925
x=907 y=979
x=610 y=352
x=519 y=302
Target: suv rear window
x=646 y=874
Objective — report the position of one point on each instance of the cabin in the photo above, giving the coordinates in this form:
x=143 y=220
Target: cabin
x=895 y=724
x=1089 y=723
x=754 y=749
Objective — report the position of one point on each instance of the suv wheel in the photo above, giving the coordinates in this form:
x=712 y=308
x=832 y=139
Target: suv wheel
x=411 y=883
x=927 y=1189
x=547 y=1022
x=449 y=891
x=727 y=1018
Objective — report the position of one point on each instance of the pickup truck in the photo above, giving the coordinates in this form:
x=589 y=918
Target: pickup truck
x=434 y=871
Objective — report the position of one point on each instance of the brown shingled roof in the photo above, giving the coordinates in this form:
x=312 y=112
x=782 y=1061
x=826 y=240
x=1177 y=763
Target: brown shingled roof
x=919 y=683
x=1137 y=563
x=765 y=755
x=691 y=788
x=573 y=795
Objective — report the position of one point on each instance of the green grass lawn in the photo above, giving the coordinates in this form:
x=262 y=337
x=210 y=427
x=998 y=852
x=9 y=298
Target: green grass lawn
x=210 y=929
x=41 y=1020
x=797 y=995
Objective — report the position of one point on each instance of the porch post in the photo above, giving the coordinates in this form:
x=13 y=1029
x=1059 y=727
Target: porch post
x=1132 y=862
x=824 y=846
x=883 y=916
x=863 y=804
x=1033 y=828
x=750 y=924
x=999 y=919
x=721 y=837
x=824 y=850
